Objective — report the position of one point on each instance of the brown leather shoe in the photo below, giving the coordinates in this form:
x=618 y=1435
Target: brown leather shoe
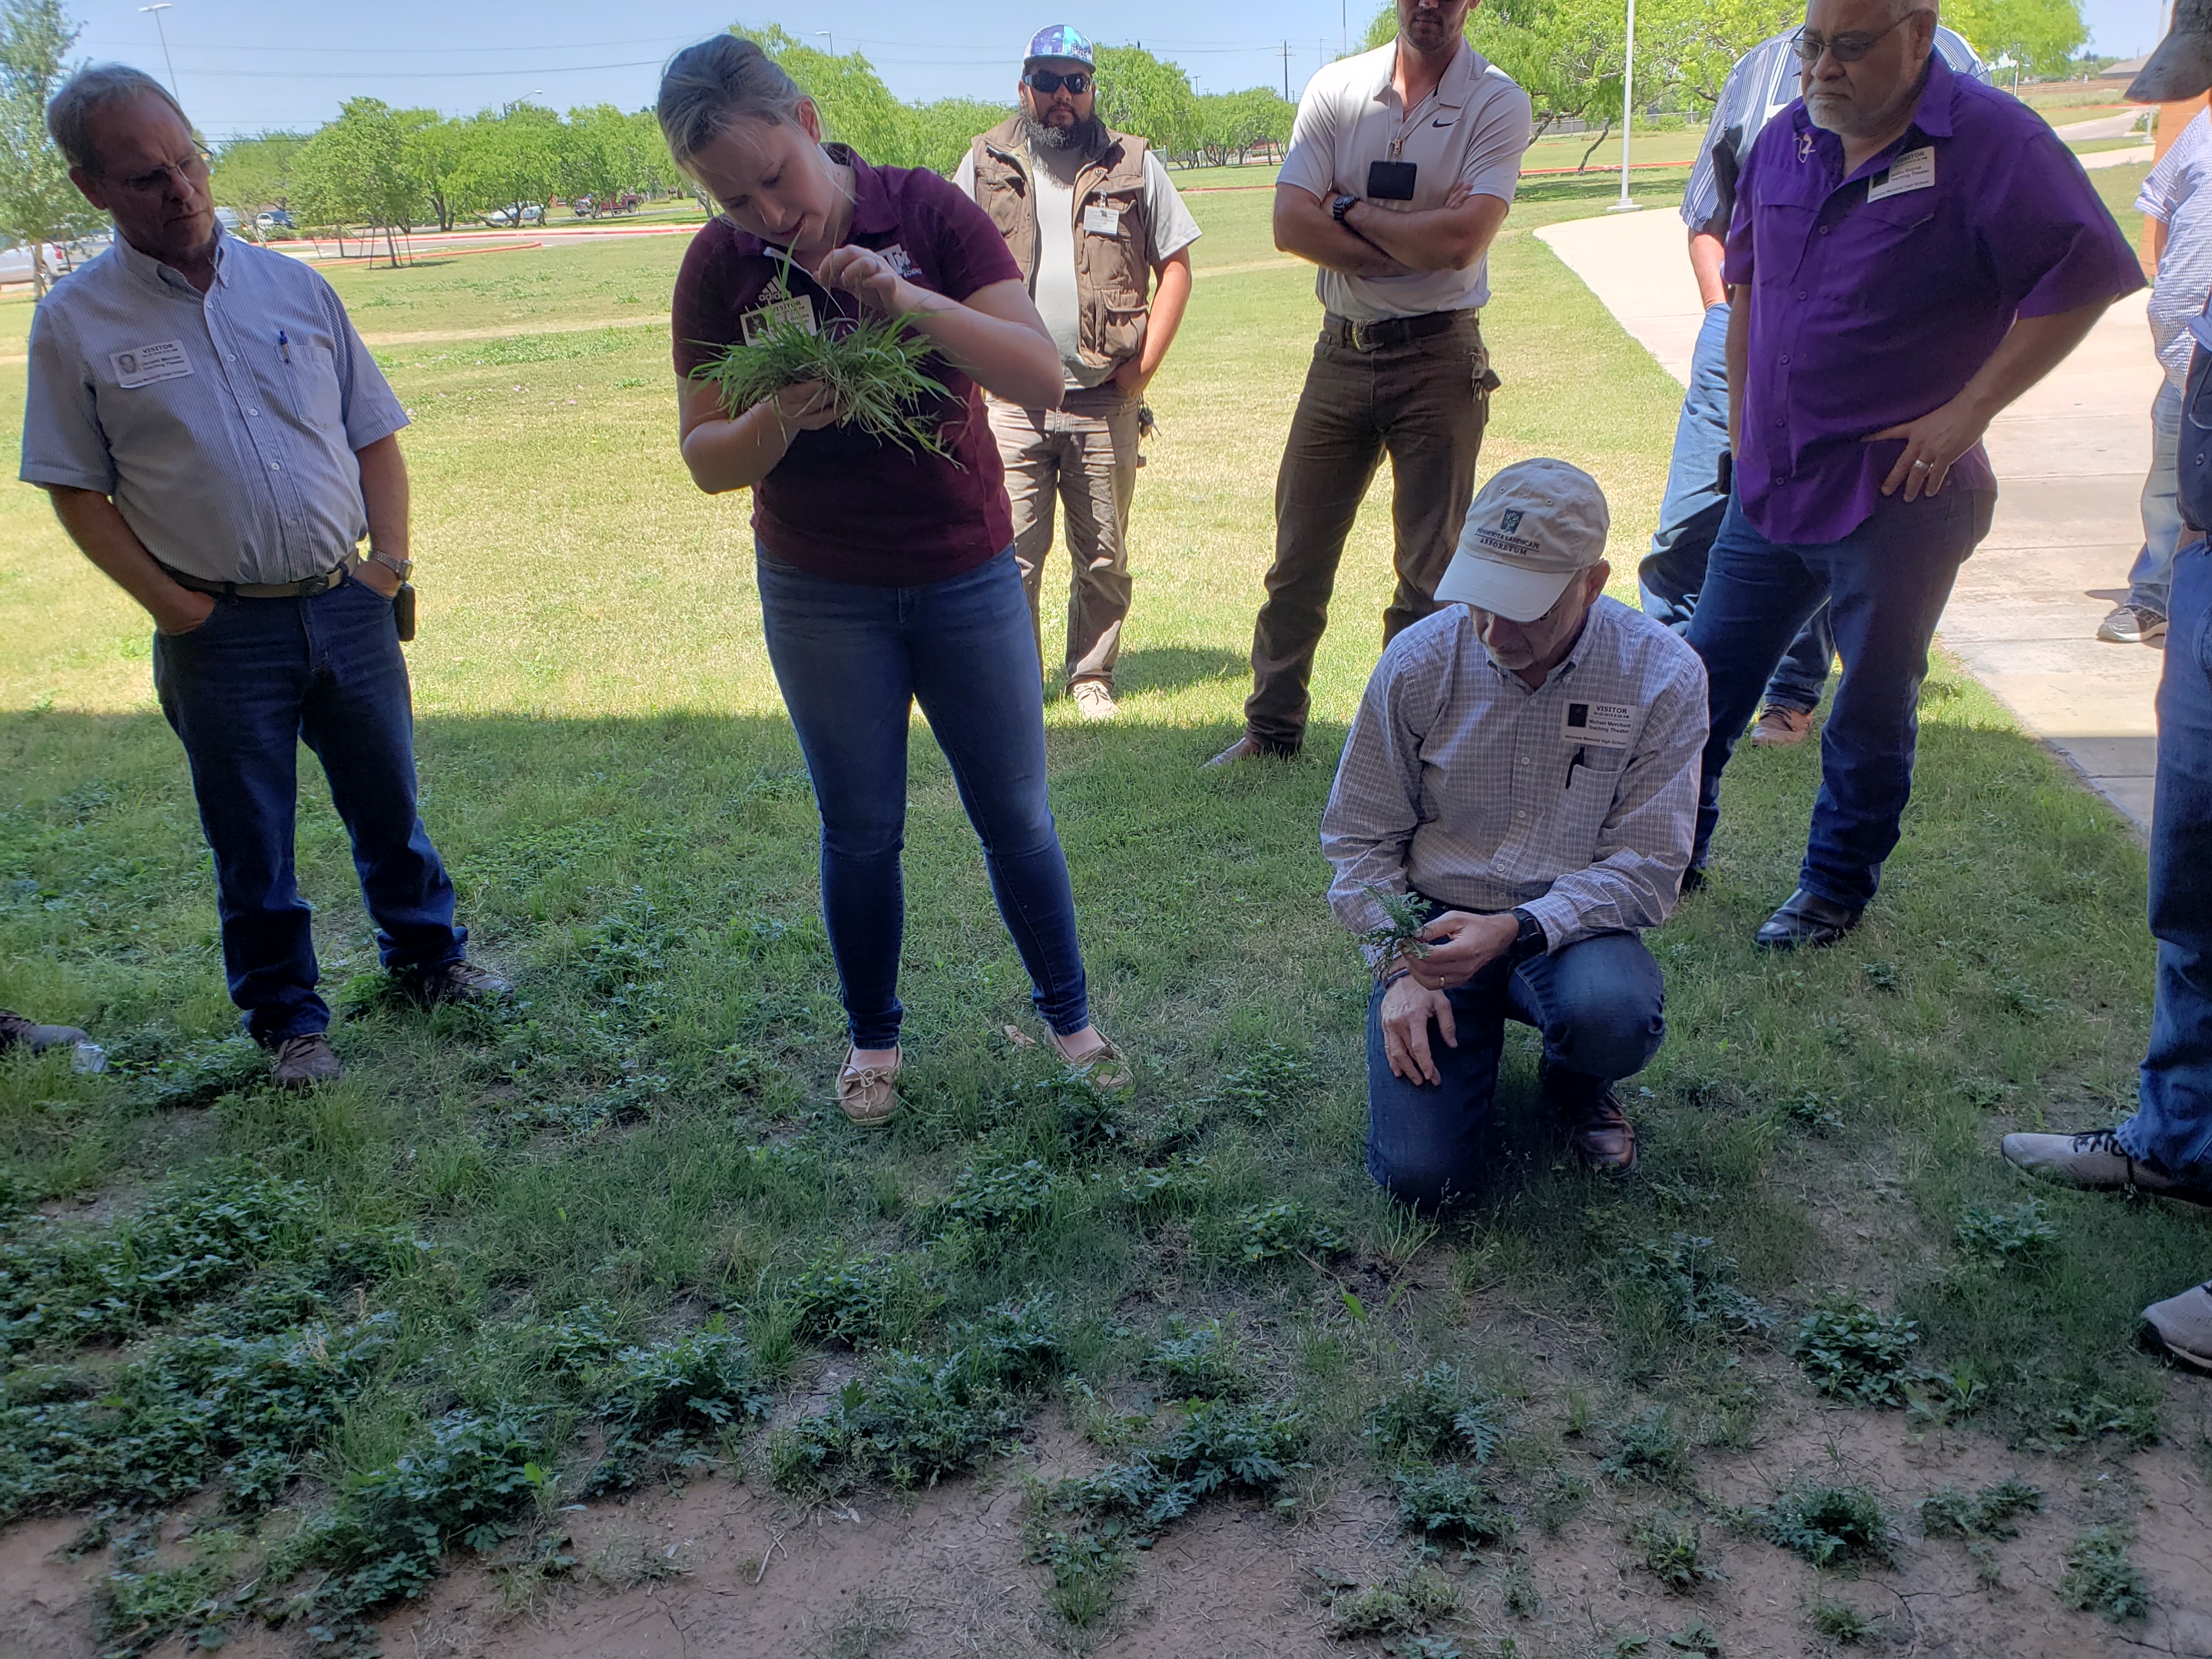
x=303 y=1061
x=1248 y=747
x=454 y=981
x=867 y=1094
x=1604 y=1139
x=1781 y=728
x=16 y=1032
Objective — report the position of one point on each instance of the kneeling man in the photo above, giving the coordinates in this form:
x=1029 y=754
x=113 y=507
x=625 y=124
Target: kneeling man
x=1525 y=765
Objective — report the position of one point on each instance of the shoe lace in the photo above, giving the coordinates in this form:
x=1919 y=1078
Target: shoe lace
x=2098 y=1141
x=13 y=1026
x=294 y=1048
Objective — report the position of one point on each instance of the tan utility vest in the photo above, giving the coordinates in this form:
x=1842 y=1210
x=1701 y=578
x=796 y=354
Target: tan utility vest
x=1113 y=275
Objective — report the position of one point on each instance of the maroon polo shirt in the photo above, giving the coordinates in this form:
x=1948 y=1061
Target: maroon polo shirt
x=1876 y=296
x=840 y=503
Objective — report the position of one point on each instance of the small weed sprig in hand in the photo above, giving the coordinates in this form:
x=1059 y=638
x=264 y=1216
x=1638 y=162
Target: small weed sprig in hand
x=870 y=368
x=1399 y=936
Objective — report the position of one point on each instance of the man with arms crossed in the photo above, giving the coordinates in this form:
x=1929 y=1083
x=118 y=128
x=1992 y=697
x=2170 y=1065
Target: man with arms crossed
x=1525 y=762
x=1911 y=252
x=1402 y=168
x=1091 y=220
x=217 y=440
x=1763 y=83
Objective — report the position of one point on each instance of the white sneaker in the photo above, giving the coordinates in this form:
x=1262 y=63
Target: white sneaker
x=2132 y=624
x=2183 y=1324
x=1094 y=700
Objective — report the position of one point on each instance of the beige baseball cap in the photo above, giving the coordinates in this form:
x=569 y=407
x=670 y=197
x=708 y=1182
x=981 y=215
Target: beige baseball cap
x=1531 y=528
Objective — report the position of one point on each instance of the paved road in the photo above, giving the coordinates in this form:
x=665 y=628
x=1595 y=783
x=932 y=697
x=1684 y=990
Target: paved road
x=2070 y=458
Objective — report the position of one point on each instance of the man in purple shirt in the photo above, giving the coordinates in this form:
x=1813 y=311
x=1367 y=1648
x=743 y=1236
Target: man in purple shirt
x=1911 y=252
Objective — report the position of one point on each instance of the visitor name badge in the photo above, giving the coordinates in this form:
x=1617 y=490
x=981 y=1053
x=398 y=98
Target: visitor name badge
x=1609 y=725
x=756 y=325
x=1914 y=170
x=1102 y=221
x=164 y=360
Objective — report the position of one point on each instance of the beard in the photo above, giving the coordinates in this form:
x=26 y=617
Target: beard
x=1085 y=135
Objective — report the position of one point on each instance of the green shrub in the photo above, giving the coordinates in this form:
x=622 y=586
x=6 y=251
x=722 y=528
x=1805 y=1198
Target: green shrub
x=1840 y=1527
x=2099 y=1577
x=1447 y=1502
x=1854 y=1353
x=1696 y=1285
x=1438 y=1414
x=860 y=1300
x=660 y=1400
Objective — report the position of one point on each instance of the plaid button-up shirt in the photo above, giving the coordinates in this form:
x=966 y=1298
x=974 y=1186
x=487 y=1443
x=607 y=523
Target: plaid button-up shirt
x=1575 y=801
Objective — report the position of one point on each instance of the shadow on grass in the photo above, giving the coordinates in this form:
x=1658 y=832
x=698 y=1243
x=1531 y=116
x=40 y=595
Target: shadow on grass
x=1171 y=667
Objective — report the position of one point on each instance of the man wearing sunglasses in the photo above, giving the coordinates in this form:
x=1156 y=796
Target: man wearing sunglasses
x=1910 y=251
x=1093 y=223
x=217 y=440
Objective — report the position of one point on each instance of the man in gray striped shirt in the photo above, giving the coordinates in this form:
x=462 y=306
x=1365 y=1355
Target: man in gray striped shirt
x=216 y=439
x=1525 y=763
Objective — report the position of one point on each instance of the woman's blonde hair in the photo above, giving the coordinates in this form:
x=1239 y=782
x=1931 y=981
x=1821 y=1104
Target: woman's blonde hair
x=709 y=88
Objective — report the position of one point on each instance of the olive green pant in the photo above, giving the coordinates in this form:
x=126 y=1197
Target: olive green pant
x=1424 y=403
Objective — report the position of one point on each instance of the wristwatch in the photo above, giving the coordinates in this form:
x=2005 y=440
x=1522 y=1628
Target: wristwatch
x=1529 y=940
x=1341 y=206
x=402 y=567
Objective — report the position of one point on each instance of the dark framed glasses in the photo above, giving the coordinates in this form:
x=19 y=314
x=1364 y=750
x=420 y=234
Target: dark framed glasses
x=1844 y=48
x=1047 y=82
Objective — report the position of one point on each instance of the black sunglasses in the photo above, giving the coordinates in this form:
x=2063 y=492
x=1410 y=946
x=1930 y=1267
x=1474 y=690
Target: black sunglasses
x=1046 y=81
x=1845 y=48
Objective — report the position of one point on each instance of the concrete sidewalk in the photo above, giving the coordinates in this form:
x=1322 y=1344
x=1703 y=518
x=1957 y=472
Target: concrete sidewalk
x=2070 y=458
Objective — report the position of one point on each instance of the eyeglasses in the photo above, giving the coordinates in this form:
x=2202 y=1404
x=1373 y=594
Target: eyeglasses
x=1844 y=48
x=1046 y=81
x=188 y=169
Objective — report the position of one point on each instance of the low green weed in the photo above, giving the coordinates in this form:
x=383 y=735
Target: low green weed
x=1204 y=1361
x=1647 y=1448
x=1673 y=1550
x=660 y=1400
x=1840 y=1622
x=1088 y=1117
x=1696 y=1286
x=1844 y=1528
x=1404 y=1605
x=1180 y=1186
x=2100 y=1577
x=1850 y=1349
x=1446 y=1504
x=1219 y=1446
x=1949 y=1512
x=1441 y=1413
x=995 y=1198
x=861 y=1300
x=1561 y=1501
x=1268 y=1082
x=138 y=1607
x=1271 y=1232
x=2021 y=1233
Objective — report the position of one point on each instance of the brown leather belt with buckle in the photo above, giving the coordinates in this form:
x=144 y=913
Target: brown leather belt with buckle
x=334 y=577
x=1391 y=330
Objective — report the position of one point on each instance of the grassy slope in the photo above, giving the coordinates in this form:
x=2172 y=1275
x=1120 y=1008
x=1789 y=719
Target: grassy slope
x=604 y=759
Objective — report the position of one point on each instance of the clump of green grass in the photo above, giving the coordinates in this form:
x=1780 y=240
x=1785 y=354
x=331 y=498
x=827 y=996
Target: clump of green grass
x=1840 y=1622
x=1840 y=1527
x=1219 y=1446
x=871 y=370
x=1448 y=1504
x=1561 y=1501
x=2024 y=1232
x=1672 y=1549
x=1949 y=1512
x=1696 y=1286
x=1440 y=1413
x=1647 y=1448
x=1855 y=1352
x=2100 y=1577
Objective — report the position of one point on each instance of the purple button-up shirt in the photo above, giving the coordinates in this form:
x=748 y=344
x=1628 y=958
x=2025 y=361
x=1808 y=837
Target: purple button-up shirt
x=1867 y=313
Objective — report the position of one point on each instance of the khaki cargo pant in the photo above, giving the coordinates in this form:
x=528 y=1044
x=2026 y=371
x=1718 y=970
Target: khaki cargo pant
x=1084 y=455
x=1425 y=403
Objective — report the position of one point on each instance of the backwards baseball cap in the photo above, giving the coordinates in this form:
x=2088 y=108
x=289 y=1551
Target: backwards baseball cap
x=1060 y=41
x=1533 y=525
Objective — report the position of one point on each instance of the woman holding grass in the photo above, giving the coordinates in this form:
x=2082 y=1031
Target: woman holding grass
x=883 y=536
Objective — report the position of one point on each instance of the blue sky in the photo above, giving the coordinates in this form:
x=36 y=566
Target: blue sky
x=245 y=66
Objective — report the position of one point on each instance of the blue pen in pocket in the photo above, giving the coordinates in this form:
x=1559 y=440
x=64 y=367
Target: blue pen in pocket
x=284 y=344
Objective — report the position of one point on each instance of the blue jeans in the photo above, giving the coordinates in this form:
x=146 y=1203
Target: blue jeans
x=851 y=660
x=243 y=690
x=2173 y=1124
x=1885 y=584
x=1598 y=1003
x=2151 y=579
x=1674 y=572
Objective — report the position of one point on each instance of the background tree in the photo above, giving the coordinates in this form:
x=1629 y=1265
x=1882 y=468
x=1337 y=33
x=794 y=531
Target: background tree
x=355 y=171
x=857 y=108
x=254 y=174
x=434 y=158
x=1138 y=94
x=1231 y=125
x=2042 y=36
x=510 y=158
x=38 y=204
x=607 y=154
x=939 y=133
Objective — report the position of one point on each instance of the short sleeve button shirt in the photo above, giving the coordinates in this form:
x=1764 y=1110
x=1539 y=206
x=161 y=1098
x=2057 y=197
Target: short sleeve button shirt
x=2176 y=195
x=224 y=425
x=1471 y=131
x=1874 y=299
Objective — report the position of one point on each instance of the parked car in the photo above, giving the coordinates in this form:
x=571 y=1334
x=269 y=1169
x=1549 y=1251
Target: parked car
x=522 y=213
x=275 y=219
x=62 y=257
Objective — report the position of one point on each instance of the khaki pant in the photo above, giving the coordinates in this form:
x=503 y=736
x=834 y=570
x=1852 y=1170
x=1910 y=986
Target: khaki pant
x=1084 y=454
x=1423 y=402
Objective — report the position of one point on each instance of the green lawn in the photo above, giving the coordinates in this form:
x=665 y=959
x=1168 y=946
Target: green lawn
x=584 y=1244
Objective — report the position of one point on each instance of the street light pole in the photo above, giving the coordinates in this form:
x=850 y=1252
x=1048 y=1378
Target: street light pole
x=1627 y=113
x=162 y=34
x=831 y=38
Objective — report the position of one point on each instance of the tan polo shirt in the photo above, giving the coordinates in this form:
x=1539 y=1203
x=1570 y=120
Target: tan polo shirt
x=1473 y=129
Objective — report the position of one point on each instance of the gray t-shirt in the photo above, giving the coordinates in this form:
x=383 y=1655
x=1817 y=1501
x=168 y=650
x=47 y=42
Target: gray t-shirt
x=1052 y=174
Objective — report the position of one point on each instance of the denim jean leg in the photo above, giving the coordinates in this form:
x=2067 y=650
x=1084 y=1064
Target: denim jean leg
x=1803 y=674
x=2151 y=580
x=1888 y=582
x=1674 y=571
x=1758 y=594
x=842 y=669
x=359 y=720
x=975 y=674
x=1599 y=1003
x=2172 y=1123
x=232 y=690
x=1429 y=1142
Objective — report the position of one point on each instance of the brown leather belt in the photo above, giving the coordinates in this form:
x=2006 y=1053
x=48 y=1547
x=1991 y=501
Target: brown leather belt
x=336 y=576
x=1391 y=330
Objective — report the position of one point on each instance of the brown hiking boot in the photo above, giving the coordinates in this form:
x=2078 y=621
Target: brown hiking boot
x=1599 y=1131
x=305 y=1061
x=1781 y=728
x=454 y=981
x=17 y=1032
